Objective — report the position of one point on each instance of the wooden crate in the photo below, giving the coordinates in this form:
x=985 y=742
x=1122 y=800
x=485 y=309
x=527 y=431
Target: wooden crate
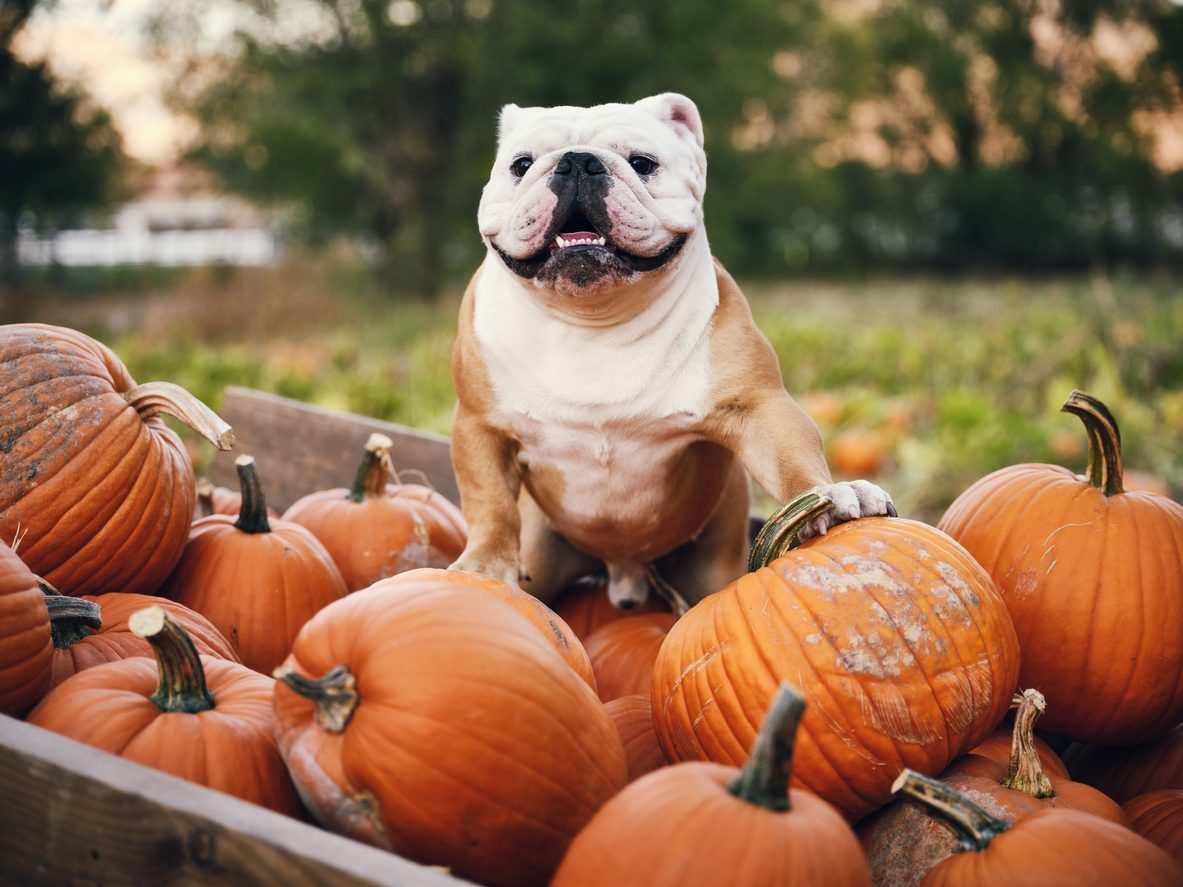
x=71 y=814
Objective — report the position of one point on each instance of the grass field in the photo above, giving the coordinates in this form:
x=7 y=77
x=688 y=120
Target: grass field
x=931 y=383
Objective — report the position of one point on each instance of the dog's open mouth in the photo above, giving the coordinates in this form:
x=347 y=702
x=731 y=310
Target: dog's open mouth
x=578 y=250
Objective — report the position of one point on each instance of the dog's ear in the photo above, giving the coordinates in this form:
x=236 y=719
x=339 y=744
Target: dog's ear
x=676 y=111
x=511 y=115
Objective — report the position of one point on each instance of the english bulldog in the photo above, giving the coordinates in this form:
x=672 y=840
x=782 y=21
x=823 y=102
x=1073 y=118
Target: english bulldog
x=613 y=392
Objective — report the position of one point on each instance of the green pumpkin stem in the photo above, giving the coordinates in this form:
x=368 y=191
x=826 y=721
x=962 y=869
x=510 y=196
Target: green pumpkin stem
x=373 y=470
x=1104 y=469
x=665 y=591
x=778 y=532
x=973 y=826
x=1026 y=770
x=764 y=780
x=335 y=694
x=252 y=514
x=154 y=398
x=71 y=619
x=182 y=679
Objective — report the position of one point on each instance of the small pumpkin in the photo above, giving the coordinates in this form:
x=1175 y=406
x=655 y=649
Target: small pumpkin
x=622 y=653
x=99 y=489
x=212 y=499
x=553 y=628
x=1092 y=575
x=1053 y=846
x=26 y=642
x=256 y=580
x=1124 y=772
x=709 y=824
x=888 y=623
x=204 y=719
x=435 y=721
x=585 y=606
x=633 y=718
x=1158 y=817
x=374 y=529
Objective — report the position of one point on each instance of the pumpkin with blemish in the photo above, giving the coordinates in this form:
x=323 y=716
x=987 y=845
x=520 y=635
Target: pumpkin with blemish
x=1092 y=575
x=896 y=637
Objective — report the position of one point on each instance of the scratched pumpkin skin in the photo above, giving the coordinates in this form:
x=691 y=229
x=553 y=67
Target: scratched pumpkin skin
x=896 y=637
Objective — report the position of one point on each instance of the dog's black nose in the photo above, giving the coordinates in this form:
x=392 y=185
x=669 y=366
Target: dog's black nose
x=579 y=163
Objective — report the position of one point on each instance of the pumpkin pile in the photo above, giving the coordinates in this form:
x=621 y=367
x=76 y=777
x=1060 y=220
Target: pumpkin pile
x=861 y=707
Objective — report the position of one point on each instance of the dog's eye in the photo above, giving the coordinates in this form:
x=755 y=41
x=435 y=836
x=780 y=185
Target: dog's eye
x=520 y=166
x=643 y=166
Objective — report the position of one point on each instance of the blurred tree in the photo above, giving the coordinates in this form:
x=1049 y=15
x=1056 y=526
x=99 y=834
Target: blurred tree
x=59 y=155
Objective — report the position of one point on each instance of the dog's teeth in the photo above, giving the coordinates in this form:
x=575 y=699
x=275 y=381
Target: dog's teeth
x=601 y=241
x=562 y=243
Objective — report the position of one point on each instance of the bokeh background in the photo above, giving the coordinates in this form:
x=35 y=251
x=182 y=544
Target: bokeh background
x=947 y=215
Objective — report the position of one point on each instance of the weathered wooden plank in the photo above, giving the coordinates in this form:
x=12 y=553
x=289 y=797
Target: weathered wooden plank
x=71 y=814
x=301 y=448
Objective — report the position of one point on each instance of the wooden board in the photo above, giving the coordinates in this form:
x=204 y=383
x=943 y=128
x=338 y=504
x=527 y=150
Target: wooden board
x=71 y=814
x=301 y=448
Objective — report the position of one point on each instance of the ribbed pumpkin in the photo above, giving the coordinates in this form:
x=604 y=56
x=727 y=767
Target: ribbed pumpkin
x=435 y=721
x=584 y=605
x=902 y=842
x=1093 y=578
x=702 y=825
x=375 y=529
x=257 y=581
x=623 y=651
x=26 y=643
x=540 y=615
x=1158 y=817
x=633 y=717
x=100 y=491
x=887 y=625
x=1052 y=847
x=1124 y=772
x=204 y=719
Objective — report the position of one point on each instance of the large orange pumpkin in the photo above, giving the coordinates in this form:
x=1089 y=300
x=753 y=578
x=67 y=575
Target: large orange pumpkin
x=257 y=581
x=435 y=721
x=891 y=630
x=99 y=490
x=1093 y=578
x=26 y=642
x=204 y=719
x=1158 y=817
x=374 y=529
x=1052 y=847
x=703 y=824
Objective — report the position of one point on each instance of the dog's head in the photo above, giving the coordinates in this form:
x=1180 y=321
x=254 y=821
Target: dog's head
x=582 y=200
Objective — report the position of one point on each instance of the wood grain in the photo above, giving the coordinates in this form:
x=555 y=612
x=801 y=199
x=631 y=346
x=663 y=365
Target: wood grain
x=71 y=814
x=301 y=448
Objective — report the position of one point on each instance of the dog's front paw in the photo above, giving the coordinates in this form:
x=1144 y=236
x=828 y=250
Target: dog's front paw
x=852 y=499
x=494 y=568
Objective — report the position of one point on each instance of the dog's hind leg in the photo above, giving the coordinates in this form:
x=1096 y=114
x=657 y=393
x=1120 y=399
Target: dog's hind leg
x=551 y=563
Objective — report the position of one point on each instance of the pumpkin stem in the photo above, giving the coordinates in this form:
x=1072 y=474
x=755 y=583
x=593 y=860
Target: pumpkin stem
x=1026 y=771
x=973 y=826
x=205 y=497
x=252 y=514
x=1104 y=470
x=667 y=592
x=335 y=694
x=764 y=780
x=370 y=480
x=182 y=679
x=70 y=618
x=153 y=398
x=777 y=534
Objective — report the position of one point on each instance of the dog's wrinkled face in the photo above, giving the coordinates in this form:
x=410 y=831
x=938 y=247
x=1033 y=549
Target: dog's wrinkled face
x=586 y=199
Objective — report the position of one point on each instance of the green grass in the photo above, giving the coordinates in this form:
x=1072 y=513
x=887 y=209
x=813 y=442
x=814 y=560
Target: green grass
x=950 y=379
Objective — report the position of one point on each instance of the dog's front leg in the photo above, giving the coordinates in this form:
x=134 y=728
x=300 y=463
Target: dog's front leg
x=489 y=477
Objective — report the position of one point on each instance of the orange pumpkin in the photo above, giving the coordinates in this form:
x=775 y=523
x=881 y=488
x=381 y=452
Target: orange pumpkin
x=709 y=824
x=26 y=642
x=889 y=624
x=100 y=491
x=902 y=842
x=584 y=605
x=540 y=615
x=623 y=651
x=435 y=721
x=1124 y=772
x=1158 y=817
x=375 y=529
x=633 y=717
x=257 y=581
x=1093 y=578
x=204 y=719
x=213 y=499
x=1053 y=846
